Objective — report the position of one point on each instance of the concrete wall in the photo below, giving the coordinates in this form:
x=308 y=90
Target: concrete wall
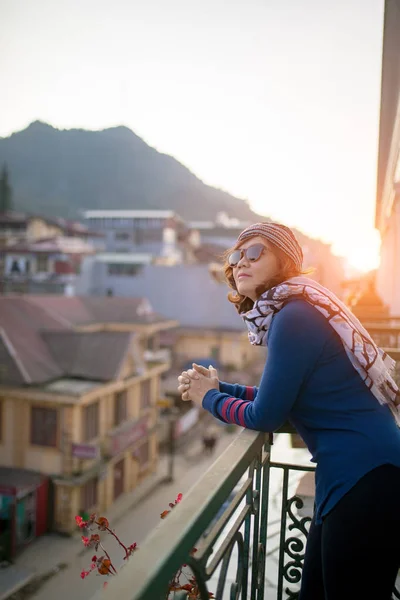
x=186 y=293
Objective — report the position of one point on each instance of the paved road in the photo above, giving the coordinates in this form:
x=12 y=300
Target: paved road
x=133 y=527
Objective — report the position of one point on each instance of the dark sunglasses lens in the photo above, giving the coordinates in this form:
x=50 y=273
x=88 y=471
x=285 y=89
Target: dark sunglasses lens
x=254 y=252
x=234 y=258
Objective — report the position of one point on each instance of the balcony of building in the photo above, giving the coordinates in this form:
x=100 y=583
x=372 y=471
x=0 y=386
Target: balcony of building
x=248 y=519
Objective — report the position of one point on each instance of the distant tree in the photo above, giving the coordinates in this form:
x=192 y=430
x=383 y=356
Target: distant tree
x=5 y=191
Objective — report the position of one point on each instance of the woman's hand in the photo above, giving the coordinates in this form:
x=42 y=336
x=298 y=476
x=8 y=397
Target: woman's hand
x=187 y=379
x=200 y=384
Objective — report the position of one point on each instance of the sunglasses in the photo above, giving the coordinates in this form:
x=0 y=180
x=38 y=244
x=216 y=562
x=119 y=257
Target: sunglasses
x=252 y=253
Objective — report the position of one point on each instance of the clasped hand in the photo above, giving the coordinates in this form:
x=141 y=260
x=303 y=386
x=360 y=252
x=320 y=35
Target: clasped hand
x=195 y=383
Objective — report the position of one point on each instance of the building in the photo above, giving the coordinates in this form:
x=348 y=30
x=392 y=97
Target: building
x=209 y=326
x=388 y=179
x=79 y=385
x=41 y=255
x=17 y=227
x=42 y=266
x=161 y=234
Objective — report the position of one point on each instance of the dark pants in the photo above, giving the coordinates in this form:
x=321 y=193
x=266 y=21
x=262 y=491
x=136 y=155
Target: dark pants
x=355 y=552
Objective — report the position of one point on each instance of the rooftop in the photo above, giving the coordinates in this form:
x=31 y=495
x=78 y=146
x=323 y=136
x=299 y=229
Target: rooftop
x=71 y=387
x=20 y=479
x=128 y=214
x=126 y=258
x=42 y=337
x=56 y=245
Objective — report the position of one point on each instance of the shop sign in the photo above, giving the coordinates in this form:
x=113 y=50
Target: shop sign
x=121 y=440
x=186 y=422
x=85 y=451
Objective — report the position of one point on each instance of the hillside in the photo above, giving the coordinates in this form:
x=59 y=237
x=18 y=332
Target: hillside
x=61 y=172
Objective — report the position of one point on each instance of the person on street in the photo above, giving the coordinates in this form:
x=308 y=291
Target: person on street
x=209 y=439
x=326 y=376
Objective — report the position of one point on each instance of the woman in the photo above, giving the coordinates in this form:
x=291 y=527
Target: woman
x=326 y=376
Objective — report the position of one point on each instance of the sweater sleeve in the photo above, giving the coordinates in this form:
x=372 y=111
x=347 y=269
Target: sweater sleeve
x=297 y=336
x=244 y=392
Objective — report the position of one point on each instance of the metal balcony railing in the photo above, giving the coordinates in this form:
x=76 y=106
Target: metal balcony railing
x=247 y=523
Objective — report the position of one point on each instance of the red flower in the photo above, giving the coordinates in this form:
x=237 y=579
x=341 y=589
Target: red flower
x=178 y=498
x=80 y=522
x=84 y=574
x=86 y=541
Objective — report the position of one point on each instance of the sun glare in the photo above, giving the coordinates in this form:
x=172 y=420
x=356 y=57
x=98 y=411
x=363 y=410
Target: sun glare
x=364 y=254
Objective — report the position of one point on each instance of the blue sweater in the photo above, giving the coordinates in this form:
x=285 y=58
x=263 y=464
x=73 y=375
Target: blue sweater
x=309 y=381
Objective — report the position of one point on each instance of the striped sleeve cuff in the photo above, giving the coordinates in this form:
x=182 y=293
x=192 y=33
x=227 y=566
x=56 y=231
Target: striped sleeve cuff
x=249 y=393
x=226 y=408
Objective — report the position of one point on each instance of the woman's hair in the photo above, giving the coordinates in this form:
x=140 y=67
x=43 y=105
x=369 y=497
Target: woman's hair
x=287 y=269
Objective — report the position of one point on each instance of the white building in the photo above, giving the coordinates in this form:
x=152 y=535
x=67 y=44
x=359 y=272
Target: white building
x=160 y=233
x=388 y=182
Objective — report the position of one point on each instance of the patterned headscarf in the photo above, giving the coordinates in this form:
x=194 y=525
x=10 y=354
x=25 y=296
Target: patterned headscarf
x=279 y=235
x=374 y=366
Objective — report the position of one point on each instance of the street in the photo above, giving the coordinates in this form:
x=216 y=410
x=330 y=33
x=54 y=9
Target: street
x=134 y=526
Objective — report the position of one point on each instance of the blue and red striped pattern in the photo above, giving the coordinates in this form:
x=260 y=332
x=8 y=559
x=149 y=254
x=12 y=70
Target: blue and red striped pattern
x=232 y=411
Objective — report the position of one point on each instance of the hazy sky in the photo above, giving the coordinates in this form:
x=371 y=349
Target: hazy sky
x=276 y=101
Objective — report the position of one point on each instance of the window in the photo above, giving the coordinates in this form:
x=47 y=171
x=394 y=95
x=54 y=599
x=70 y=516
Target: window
x=145 y=394
x=142 y=454
x=15 y=267
x=42 y=264
x=120 y=407
x=91 y=421
x=44 y=426
x=123 y=269
x=89 y=494
x=122 y=236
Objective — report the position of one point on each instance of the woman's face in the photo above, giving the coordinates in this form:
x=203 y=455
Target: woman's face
x=249 y=274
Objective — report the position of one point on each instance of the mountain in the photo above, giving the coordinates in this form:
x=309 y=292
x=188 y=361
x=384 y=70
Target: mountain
x=62 y=172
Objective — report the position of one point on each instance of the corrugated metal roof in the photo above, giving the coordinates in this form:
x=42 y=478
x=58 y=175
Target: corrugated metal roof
x=20 y=478
x=89 y=355
x=21 y=322
x=38 y=335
